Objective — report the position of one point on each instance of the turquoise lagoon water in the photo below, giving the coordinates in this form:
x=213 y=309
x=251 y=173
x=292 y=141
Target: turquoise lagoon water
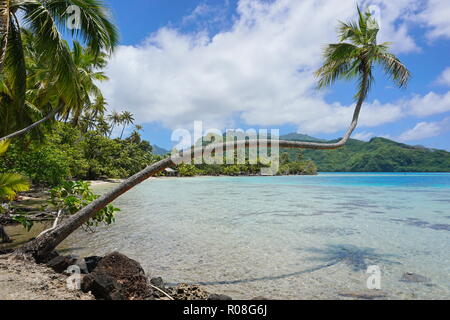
x=296 y=237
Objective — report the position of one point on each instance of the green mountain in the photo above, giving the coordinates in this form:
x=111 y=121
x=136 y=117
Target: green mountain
x=377 y=155
x=159 y=151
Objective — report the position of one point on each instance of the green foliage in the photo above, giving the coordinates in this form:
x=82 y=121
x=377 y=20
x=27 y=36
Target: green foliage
x=43 y=164
x=72 y=196
x=66 y=153
x=231 y=170
x=11 y=183
x=288 y=166
x=24 y=221
x=187 y=170
x=40 y=72
x=297 y=167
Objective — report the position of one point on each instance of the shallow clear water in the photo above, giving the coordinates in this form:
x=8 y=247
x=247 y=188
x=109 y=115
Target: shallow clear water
x=297 y=237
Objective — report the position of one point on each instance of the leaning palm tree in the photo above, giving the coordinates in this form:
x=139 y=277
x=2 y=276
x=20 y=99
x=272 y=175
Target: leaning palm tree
x=352 y=58
x=127 y=118
x=46 y=19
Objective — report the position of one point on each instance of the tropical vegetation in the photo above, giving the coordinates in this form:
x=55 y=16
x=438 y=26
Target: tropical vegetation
x=11 y=183
x=42 y=74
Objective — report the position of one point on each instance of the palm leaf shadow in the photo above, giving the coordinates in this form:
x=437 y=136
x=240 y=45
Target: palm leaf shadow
x=357 y=258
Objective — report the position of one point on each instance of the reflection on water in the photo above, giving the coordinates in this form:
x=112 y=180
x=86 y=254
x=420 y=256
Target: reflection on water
x=286 y=237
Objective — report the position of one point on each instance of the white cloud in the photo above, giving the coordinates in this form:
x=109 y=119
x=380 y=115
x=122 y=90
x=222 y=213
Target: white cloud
x=429 y=104
x=364 y=136
x=395 y=17
x=444 y=78
x=259 y=71
x=424 y=130
x=207 y=17
x=436 y=16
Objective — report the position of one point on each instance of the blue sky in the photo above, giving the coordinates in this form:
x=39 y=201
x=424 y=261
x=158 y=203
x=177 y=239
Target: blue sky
x=249 y=64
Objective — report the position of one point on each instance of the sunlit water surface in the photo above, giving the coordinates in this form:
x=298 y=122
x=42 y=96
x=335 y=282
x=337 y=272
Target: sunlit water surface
x=297 y=237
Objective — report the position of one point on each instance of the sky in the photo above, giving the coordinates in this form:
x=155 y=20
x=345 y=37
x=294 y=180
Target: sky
x=250 y=64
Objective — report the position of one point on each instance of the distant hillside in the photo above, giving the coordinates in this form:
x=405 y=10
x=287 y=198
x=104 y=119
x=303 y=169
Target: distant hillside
x=159 y=151
x=377 y=155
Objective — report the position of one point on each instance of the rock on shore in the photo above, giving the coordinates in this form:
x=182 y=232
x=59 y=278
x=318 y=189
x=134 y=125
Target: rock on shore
x=112 y=277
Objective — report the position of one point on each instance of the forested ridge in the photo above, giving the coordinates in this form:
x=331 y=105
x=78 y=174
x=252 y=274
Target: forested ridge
x=376 y=155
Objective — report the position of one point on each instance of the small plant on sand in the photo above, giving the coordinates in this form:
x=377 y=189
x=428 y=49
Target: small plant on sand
x=71 y=197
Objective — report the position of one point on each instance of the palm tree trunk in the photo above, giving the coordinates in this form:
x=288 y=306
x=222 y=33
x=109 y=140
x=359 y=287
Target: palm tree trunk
x=41 y=247
x=25 y=130
x=4 y=30
x=111 y=131
x=121 y=135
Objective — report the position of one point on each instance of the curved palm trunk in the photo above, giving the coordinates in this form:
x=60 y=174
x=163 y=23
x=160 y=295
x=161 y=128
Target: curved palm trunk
x=25 y=130
x=4 y=30
x=41 y=247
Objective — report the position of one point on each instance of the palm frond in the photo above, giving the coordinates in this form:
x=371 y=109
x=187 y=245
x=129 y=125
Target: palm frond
x=394 y=69
x=330 y=73
x=4 y=145
x=339 y=61
x=11 y=183
x=43 y=22
x=15 y=68
x=32 y=108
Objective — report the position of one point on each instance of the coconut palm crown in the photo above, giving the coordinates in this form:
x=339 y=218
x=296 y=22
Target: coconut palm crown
x=47 y=23
x=356 y=54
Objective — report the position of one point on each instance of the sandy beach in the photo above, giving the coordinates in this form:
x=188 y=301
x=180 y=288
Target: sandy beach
x=29 y=281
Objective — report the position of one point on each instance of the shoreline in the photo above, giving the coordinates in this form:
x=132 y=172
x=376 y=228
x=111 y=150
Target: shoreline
x=125 y=280
x=22 y=280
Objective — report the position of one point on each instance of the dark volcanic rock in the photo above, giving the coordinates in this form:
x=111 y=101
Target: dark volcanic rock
x=158 y=282
x=51 y=256
x=219 y=297
x=187 y=292
x=102 y=286
x=61 y=263
x=6 y=251
x=414 y=278
x=126 y=272
x=91 y=262
x=88 y=264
